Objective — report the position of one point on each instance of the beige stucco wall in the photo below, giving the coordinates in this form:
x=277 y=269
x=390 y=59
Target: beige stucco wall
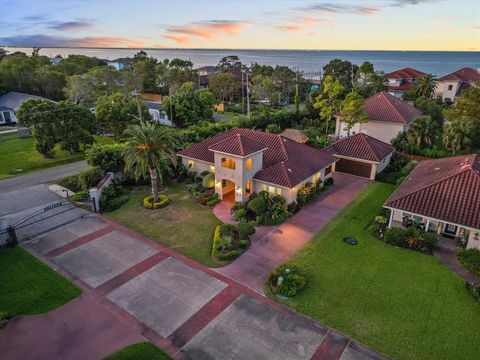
x=378 y=129
x=198 y=166
x=442 y=89
x=383 y=164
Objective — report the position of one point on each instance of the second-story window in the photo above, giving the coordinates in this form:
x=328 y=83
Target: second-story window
x=228 y=163
x=249 y=163
x=450 y=87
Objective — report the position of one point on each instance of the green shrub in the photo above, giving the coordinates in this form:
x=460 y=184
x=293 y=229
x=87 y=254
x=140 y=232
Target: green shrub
x=208 y=181
x=470 y=258
x=148 y=203
x=106 y=157
x=237 y=206
x=374 y=229
x=240 y=214
x=273 y=128
x=213 y=200
x=116 y=203
x=223 y=247
x=328 y=181
x=243 y=244
x=71 y=183
x=412 y=238
x=292 y=280
x=245 y=229
x=229 y=230
x=79 y=196
x=474 y=290
x=258 y=205
x=90 y=177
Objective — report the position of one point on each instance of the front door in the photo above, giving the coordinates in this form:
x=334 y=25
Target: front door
x=450 y=229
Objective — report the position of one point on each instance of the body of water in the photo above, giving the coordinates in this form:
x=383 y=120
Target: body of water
x=438 y=63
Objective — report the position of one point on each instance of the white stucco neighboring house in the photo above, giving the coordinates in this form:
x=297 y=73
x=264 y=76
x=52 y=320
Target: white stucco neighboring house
x=450 y=87
x=387 y=117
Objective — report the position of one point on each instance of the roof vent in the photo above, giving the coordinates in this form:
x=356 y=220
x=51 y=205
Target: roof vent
x=289 y=170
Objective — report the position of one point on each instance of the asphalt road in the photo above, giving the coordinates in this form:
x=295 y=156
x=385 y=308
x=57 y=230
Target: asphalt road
x=41 y=176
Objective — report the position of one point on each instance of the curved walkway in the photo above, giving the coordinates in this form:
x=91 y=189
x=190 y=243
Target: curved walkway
x=272 y=246
x=445 y=252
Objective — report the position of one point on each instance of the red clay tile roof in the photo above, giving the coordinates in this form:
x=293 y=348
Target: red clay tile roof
x=238 y=145
x=404 y=85
x=361 y=146
x=406 y=73
x=388 y=108
x=285 y=162
x=445 y=189
x=465 y=74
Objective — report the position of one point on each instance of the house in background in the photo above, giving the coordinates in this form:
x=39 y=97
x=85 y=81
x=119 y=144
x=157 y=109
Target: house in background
x=246 y=161
x=387 y=117
x=56 y=60
x=9 y=105
x=119 y=64
x=402 y=80
x=442 y=196
x=158 y=115
x=450 y=87
x=361 y=155
x=203 y=73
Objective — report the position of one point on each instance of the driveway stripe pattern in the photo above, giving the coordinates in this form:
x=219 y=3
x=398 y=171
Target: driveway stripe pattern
x=218 y=318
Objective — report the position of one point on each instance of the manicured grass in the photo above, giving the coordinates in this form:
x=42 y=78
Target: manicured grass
x=140 y=351
x=20 y=153
x=30 y=287
x=183 y=226
x=397 y=301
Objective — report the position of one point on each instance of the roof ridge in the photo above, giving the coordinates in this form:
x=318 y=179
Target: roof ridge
x=393 y=106
x=428 y=185
x=365 y=140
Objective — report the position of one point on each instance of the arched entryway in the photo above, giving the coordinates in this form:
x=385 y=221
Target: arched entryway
x=228 y=191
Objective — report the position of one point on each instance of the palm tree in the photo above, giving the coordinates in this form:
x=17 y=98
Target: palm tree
x=425 y=86
x=422 y=131
x=456 y=136
x=148 y=147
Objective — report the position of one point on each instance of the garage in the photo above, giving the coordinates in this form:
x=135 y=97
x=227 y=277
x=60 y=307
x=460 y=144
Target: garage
x=353 y=167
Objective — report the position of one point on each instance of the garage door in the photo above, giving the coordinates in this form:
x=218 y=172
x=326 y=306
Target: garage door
x=353 y=167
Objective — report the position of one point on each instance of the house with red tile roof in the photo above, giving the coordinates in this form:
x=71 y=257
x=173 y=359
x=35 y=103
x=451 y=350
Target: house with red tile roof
x=442 y=196
x=401 y=80
x=450 y=87
x=361 y=155
x=246 y=161
x=387 y=117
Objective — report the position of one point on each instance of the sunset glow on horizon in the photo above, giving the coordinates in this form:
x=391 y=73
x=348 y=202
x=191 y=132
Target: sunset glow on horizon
x=310 y=25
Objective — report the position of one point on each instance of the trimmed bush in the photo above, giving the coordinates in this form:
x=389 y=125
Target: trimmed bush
x=473 y=289
x=71 y=183
x=79 y=196
x=258 y=205
x=229 y=230
x=412 y=238
x=208 y=181
x=90 y=177
x=245 y=229
x=240 y=214
x=222 y=245
x=470 y=258
x=213 y=200
x=243 y=244
x=286 y=280
x=148 y=203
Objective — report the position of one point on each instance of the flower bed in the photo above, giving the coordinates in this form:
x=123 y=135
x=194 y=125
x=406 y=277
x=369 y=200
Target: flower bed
x=163 y=201
x=286 y=280
x=230 y=241
x=411 y=238
x=263 y=208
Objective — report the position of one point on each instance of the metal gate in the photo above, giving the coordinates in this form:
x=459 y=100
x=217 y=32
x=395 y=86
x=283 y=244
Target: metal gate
x=38 y=222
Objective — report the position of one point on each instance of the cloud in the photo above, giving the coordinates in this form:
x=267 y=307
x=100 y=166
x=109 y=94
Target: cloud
x=412 y=2
x=72 y=25
x=56 y=41
x=306 y=22
x=204 y=30
x=338 y=7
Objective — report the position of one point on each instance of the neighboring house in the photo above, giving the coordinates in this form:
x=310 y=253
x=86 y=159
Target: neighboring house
x=10 y=103
x=442 y=196
x=203 y=74
x=158 y=115
x=118 y=64
x=295 y=135
x=402 y=80
x=450 y=86
x=361 y=155
x=246 y=161
x=387 y=117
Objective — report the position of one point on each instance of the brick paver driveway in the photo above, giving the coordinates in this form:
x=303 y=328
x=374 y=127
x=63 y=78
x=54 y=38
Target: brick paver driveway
x=135 y=289
x=272 y=246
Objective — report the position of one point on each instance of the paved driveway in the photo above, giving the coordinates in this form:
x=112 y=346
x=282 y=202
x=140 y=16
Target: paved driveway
x=272 y=246
x=134 y=289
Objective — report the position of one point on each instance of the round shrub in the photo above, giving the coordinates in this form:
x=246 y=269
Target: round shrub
x=240 y=214
x=286 y=280
x=148 y=203
x=208 y=181
x=243 y=244
x=245 y=229
x=258 y=205
x=106 y=157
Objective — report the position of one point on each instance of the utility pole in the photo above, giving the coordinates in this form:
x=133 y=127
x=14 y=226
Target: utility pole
x=140 y=115
x=248 y=98
x=243 y=94
x=171 y=101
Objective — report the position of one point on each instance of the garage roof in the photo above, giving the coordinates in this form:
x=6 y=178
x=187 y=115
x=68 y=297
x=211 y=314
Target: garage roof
x=361 y=146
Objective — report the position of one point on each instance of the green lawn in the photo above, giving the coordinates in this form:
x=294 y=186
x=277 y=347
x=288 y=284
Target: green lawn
x=183 y=226
x=140 y=351
x=30 y=287
x=397 y=301
x=20 y=153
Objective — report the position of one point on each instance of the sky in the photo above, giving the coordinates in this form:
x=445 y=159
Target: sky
x=331 y=24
